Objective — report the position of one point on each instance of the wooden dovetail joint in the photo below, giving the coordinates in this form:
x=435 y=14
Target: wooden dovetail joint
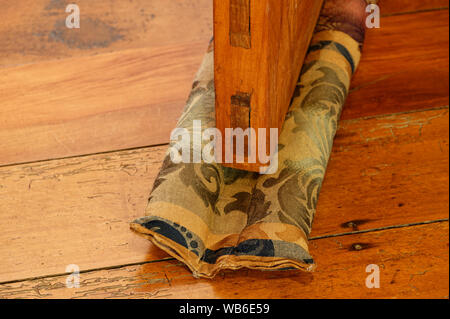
x=259 y=49
x=241 y=110
x=241 y=115
x=240 y=34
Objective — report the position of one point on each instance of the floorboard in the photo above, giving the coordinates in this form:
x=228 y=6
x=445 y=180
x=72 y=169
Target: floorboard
x=413 y=263
x=85 y=116
x=86 y=105
x=384 y=171
x=404 y=66
x=76 y=106
x=391 y=7
x=33 y=31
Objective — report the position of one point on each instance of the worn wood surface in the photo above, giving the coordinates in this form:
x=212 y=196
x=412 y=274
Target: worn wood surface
x=30 y=31
x=388 y=170
x=77 y=211
x=259 y=48
x=414 y=263
x=34 y=31
x=46 y=106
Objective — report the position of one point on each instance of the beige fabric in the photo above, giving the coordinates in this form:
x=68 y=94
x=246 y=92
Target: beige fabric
x=211 y=217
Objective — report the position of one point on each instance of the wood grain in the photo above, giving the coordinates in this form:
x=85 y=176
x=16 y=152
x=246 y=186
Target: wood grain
x=94 y=104
x=384 y=171
x=75 y=211
x=259 y=48
x=46 y=107
x=404 y=66
x=239 y=33
x=34 y=31
x=390 y=7
x=413 y=261
x=30 y=30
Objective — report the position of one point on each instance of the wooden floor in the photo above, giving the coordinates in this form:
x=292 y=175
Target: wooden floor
x=85 y=117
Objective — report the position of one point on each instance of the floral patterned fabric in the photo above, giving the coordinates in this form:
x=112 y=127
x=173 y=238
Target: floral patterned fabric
x=211 y=217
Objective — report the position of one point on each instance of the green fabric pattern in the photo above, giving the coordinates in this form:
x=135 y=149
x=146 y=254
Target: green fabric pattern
x=211 y=217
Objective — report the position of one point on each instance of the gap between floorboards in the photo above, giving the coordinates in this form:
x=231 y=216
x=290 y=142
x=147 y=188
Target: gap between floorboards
x=171 y=258
x=166 y=144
